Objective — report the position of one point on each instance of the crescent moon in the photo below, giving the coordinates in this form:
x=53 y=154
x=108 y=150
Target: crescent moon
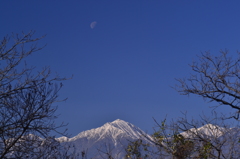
x=93 y=24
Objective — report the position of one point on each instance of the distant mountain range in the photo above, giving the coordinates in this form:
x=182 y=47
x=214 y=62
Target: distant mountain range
x=112 y=138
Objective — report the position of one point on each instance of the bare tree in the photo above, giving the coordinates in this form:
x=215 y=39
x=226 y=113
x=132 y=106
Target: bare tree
x=27 y=112
x=106 y=151
x=216 y=79
x=184 y=139
x=213 y=138
x=139 y=149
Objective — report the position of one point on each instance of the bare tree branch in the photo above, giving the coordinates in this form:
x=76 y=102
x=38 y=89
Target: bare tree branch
x=27 y=110
x=216 y=79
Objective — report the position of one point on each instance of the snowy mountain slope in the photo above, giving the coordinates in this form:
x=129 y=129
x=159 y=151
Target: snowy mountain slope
x=112 y=137
x=113 y=129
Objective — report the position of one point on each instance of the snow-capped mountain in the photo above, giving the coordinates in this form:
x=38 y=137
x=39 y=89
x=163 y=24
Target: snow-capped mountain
x=224 y=140
x=208 y=130
x=111 y=138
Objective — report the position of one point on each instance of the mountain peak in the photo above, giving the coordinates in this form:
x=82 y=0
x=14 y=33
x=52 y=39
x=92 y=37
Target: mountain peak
x=126 y=127
x=119 y=121
x=118 y=124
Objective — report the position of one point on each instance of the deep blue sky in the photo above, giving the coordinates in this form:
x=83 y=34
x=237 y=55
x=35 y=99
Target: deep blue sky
x=125 y=66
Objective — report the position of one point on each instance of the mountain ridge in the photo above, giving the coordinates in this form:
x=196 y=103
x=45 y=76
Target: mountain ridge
x=113 y=137
x=114 y=128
